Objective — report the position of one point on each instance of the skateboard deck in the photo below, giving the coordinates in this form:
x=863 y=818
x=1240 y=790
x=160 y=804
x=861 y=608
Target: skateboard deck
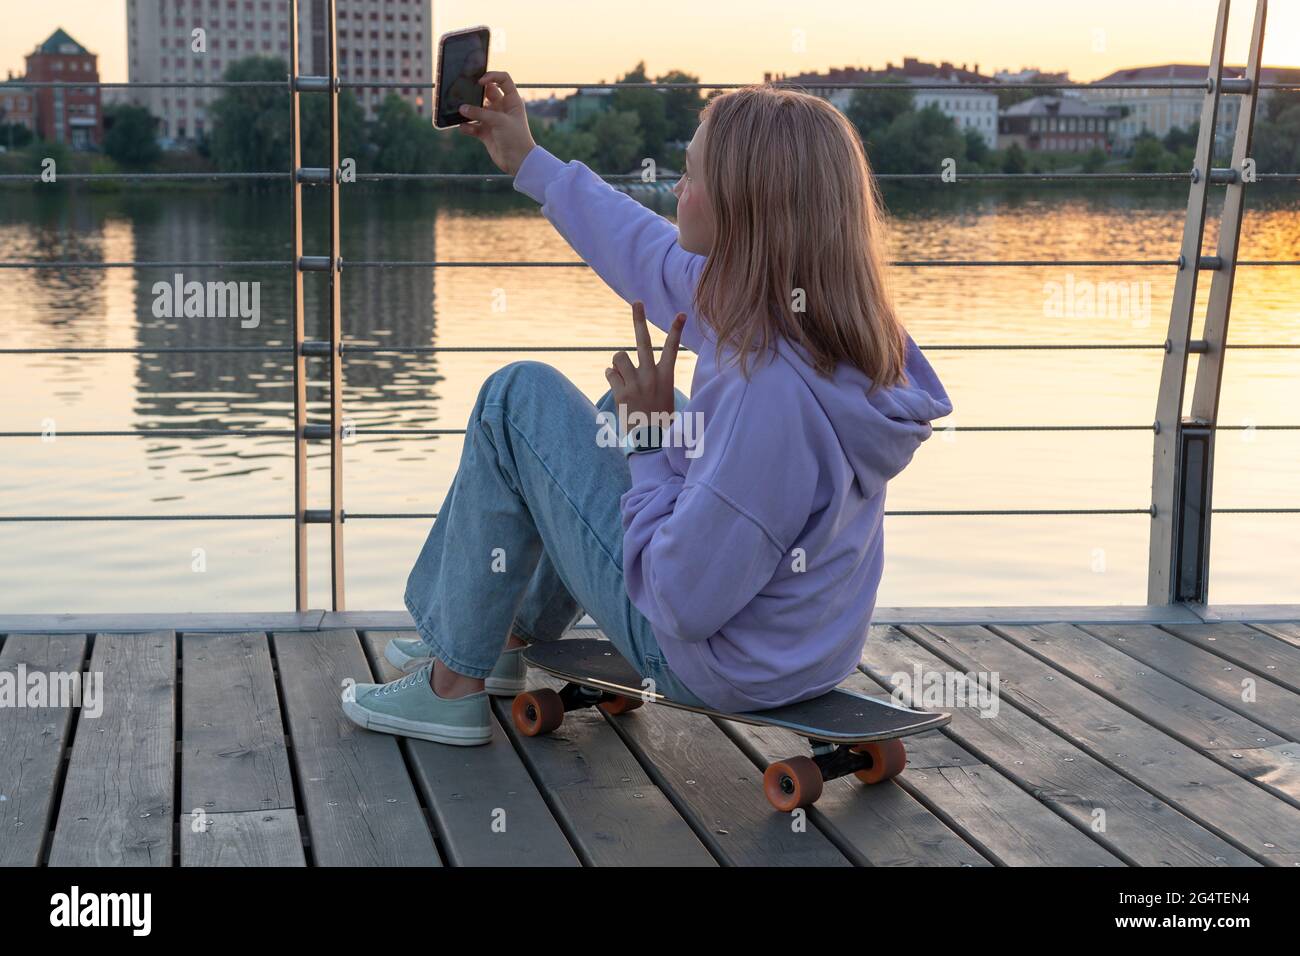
x=838 y=716
x=849 y=733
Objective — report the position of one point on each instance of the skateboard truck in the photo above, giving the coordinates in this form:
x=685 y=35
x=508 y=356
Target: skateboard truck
x=537 y=712
x=797 y=781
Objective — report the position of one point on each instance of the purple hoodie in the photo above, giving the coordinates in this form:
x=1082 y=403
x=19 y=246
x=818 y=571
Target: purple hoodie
x=755 y=554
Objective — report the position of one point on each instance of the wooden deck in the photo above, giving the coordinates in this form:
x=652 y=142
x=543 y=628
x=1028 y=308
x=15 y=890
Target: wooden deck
x=1169 y=742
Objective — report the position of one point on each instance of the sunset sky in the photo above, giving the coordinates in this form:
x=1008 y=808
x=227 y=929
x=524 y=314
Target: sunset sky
x=737 y=40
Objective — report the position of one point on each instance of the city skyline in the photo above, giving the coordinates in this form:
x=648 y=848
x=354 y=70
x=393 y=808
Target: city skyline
x=534 y=46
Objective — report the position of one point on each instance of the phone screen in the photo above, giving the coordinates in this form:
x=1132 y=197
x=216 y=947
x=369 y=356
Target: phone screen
x=462 y=61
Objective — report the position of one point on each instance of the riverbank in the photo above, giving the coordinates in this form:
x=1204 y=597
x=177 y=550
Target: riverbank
x=191 y=171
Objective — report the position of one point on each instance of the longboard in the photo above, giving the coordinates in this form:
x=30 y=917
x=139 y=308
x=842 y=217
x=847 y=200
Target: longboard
x=849 y=732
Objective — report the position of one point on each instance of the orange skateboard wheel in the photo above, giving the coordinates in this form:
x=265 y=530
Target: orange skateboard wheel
x=790 y=784
x=537 y=712
x=888 y=758
x=620 y=705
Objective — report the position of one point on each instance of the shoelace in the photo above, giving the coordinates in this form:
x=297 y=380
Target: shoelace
x=408 y=680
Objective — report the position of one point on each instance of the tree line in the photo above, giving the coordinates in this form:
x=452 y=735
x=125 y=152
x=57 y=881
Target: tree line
x=249 y=132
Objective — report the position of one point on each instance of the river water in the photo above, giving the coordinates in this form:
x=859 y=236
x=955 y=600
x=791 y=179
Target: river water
x=248 y=565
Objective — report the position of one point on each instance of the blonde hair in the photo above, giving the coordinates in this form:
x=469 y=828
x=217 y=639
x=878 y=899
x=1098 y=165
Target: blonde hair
x=796 y=208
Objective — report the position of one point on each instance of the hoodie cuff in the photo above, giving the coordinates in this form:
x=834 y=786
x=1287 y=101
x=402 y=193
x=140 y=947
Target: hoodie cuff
x=536 y=172
x=649 y=466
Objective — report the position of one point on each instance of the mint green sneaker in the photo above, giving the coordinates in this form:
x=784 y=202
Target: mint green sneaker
x=408 y=707
x=506 y=680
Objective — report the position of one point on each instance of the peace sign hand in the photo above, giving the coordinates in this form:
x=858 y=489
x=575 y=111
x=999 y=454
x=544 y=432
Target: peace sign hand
x=648 y=387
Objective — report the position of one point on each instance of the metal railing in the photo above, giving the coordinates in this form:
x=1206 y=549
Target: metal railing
x=1183 y=459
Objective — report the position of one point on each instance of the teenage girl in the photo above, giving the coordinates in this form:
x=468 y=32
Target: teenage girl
x=733 y=556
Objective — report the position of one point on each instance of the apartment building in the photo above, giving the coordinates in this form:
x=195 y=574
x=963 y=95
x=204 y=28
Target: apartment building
x=383 y=40
x=1159 y=111
x=970 y=108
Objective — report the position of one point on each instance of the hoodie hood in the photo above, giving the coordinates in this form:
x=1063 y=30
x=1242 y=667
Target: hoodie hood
x=878 y=432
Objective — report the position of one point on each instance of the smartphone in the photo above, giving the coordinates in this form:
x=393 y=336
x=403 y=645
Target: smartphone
x=462 y=61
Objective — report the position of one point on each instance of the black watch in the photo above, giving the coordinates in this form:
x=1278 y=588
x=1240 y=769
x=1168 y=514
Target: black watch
x=642 y=438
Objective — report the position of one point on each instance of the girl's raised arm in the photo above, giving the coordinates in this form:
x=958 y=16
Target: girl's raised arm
x=632 y=248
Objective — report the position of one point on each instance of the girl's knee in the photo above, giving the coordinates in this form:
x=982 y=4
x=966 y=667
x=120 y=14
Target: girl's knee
x=524 y=376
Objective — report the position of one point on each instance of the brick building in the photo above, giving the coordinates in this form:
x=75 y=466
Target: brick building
x=17 y=105
x=69 y=115
x=1057 y=124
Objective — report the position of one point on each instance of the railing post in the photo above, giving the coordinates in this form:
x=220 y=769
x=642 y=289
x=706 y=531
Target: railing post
x=333 y=349
x=299 y=356
x=336 y=329
x=1193 y=568
x=1166 y=476
x=1183 y=464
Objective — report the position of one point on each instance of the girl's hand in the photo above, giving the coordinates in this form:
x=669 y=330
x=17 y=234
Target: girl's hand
x=647 y=388
x=502 y=125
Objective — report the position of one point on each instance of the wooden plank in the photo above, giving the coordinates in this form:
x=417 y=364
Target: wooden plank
x=361 y=807
x=32 y=742
x=1013 y=614
x=247 y=838
x=989 y=810
x=371 y=621
x=487 y=809
x=611 y=811
x=117 y=807
x=1247 y=647
x=1276 y=768
x=134 y=623
x=1009 y=824
x=1283 y=631
x=1271 y=705
x=1160 y=701
x=233 y=751
x=1130 y=822
x=233 y=755
x=1251 y=818
x=312 y=620
x=401 y=619
x=1246 y=612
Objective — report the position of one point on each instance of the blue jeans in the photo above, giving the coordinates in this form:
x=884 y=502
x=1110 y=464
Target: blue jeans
x=531 y=532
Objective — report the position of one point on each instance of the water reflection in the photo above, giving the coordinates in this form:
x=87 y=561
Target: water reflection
x=1039 y=560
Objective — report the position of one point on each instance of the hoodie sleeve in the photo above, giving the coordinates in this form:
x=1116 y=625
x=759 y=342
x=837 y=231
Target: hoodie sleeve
x=634 y=250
